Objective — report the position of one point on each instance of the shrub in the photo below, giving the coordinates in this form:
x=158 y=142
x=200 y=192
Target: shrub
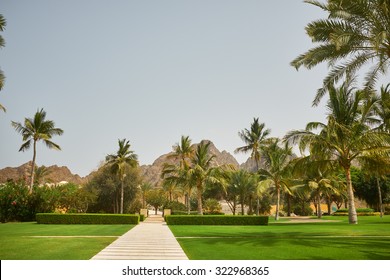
x=53 y=218
x=175 y=205
x=216 y=220
x=359 y=212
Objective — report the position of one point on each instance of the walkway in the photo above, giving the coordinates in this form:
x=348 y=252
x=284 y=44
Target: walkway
x=150 y=240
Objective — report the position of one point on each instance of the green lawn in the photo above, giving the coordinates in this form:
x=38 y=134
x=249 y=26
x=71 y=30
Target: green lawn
x=369 y=240
x=32 y=241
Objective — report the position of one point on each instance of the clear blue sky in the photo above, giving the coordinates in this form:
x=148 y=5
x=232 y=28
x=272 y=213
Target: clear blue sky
x=151 y=71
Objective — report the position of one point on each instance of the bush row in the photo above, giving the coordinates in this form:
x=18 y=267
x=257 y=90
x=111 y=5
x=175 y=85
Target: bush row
x=215 y=220
x=358 y=213
x=53 y=218
x=358 y=210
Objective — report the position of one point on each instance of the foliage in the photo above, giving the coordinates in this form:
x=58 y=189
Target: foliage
x=156 y=198
x=254 y=138
x=212 y=206
x=277 y=171
x=354 y=34
x=347 y=136
x=107 y=188
x=216 y=220
x=53 y=218
x=37 y=129
x=175 y=206
x=15 y=203
x=366 y=188
x=120 y=163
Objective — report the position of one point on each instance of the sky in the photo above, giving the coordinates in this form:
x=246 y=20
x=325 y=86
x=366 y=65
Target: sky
x=152 y=71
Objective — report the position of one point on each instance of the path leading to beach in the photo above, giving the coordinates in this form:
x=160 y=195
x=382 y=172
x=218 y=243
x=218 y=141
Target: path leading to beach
x=149 y=240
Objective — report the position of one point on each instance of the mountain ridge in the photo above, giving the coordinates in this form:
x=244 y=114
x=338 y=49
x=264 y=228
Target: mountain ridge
x=151 y=173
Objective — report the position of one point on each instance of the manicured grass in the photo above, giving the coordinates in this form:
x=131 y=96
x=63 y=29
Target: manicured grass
x=369 y=240
x=32 y=241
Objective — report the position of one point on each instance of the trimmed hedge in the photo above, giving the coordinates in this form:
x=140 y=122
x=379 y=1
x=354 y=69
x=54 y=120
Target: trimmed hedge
x=359 y=212
x=216 y=220
x=54 y=218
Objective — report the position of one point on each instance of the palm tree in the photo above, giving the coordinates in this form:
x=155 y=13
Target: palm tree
x=244 y=184
x=317 y=177
x=119 y=162
x=3 y=23
x=201 y=172
x=174 y=175
x=183 y=150
x=34 y=130
x=40 y=173
x=255 y=139
x=354 y=34
x=278 y=167
x=346 y=137
x=145 y=188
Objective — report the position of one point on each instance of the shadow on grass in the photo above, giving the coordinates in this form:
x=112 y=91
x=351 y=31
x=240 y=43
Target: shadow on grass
x=277 y=248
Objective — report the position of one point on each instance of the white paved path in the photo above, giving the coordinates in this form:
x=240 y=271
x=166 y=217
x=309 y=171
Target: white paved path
x=150 y=240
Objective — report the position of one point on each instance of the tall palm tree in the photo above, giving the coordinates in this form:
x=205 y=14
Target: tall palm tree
x=318 y=177
x=145 y=188
x=174 y=175
x=278 y=168
x=355 y=33
x=40 y=173
x=346 y=137
x=255 y=139
x=183 y=150
x=34 y=130
x=244 y=184
x=201 y=172
x=3 y=23
x=119 y=162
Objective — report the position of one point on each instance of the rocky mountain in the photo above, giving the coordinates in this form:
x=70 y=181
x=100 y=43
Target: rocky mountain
x=152 y=173
x=55 y=174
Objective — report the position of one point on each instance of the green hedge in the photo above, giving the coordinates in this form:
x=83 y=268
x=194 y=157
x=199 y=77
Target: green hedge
x=216 y=220
x=358 y=210
x=53 y=218
x=357 y=213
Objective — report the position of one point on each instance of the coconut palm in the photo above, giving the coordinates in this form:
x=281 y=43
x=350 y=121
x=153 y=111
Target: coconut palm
x=318 y=177
x=3 y=23
x=183 y=151
x=177 y=175
x=34 y=130
x=255 y=139
x=244 y=184
x=346 y=137
x=145 y=188
x=40 y=174
x=356 y=33
x=119 y=162
x=200 y=173
x=277 y=171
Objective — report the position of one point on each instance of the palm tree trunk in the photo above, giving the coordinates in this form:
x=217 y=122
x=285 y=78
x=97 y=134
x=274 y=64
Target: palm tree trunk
x=200 y=206
x=33 y=167
x=288 y=205
x=319 y=211
x=380 y=197
x=122 y=183
x=189 y=202
x=352 y=216
x=277 y=202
